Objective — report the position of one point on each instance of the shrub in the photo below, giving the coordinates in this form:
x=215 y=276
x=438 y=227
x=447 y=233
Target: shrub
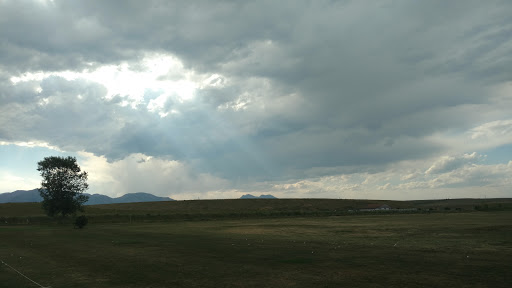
x=81 y=221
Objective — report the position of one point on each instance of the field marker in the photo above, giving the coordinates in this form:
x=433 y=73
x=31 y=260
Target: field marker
x=24 y=275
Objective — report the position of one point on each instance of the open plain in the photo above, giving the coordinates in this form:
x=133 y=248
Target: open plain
x=442 y=249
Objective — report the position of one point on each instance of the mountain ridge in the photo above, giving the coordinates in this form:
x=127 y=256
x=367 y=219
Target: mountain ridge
x=262 y=196
x=21 y=196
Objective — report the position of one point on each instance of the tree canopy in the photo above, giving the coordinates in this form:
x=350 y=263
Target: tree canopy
x=62 y=186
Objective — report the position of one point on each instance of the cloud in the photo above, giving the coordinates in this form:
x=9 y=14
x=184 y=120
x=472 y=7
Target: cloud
x=142 y=173
x=460 y=177
x=261 y=92
x=499 y=129
x=449 y=163
x=12 y=182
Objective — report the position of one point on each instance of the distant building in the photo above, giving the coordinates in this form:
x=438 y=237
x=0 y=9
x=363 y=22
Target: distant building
x=376 y=207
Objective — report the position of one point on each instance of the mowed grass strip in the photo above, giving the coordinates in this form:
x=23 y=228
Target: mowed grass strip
x=419 y=250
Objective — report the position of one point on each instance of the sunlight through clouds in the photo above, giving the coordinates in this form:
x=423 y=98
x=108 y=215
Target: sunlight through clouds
x=157 y=72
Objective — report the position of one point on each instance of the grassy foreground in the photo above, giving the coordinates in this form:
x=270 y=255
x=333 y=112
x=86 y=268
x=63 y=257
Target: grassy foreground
x=415 y=250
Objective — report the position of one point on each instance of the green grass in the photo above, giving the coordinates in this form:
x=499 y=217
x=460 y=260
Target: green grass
x=413 y=250
x=23 y=213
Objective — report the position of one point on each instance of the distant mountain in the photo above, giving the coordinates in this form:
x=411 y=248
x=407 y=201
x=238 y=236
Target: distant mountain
x=33 y=196
x=21 y=196
x=249 y=196
x=99 y=199
x=140 y=197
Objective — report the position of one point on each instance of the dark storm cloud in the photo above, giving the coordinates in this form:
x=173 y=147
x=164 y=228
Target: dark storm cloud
x=60 y=35
x=305 y=85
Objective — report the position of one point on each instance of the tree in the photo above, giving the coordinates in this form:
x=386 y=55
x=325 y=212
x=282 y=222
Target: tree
x=81 y=221
x=62 y=186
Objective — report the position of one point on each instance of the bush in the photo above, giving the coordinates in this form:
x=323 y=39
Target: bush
x=81 y=221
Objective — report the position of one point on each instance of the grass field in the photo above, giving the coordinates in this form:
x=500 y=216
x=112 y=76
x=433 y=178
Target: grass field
x=411 y=250
x=23 y=213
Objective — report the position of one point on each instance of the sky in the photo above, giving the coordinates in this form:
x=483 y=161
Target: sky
x=298 y=99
